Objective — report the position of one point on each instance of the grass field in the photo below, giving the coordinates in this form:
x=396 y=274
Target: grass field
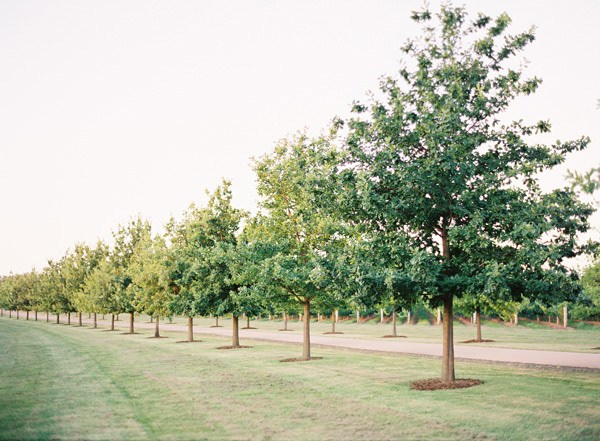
x=65 y=382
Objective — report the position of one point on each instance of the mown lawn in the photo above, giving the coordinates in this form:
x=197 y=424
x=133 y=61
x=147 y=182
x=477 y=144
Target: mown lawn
x=65 y=382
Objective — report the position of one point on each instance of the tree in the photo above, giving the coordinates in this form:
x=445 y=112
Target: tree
x=150 y=278
x=213 y=256
x=126 y=239
x=432 y=162
x=101 y=290
x=298 y=231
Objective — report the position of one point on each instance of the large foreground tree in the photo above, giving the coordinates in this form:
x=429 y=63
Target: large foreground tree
x=432 y=160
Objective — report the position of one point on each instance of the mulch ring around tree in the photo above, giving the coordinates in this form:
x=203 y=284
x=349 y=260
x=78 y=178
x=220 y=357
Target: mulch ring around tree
x=234 y=347
x=292 y=360
x=437 y=384
x=331 y=332
x=483 y=340
x=394 y=336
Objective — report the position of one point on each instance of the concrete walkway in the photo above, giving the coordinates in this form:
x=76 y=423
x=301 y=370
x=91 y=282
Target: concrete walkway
x=468 y=352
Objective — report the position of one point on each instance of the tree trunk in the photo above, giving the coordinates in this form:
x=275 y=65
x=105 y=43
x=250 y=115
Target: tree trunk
x=10 y=313
x=117 y=318
x=151 y=319
x=1 y=312
x=35 y=315
x=80 y=319
x=57 y=318
x=95 y=321
x=112 y=322
x=26 y=315
x=448 y=341
x=47 y=316
x=408 y=317
x=439 y=316
x=89 y=315
x=333 y=322
x=131 y=322
x=18 y=314
x=102 y=316
x=381 y=315
x=306 y=341
x=516 y=318
x=557 y=318
x=300 y=317
x=68 y=318
x=394 y=320
x=248 y=321
x=478 y=322
x=357 y=316
x=337 y=316
x=217 y=321
x=156 y=330
x=235 y=335
x=565 y=316
x=190 y=337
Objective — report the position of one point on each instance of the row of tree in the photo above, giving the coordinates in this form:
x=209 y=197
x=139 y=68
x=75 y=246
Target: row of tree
x=424 y=194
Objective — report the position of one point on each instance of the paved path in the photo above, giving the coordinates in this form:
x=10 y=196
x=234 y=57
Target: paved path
x=471 y=352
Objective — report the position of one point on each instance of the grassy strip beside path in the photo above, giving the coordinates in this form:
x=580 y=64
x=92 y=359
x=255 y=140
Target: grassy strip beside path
x=67 y=382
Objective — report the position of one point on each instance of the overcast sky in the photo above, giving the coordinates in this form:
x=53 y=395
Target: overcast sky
x=113 y=108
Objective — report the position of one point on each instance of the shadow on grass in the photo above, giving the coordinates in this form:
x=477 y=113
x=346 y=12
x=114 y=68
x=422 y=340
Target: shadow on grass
x=297 y=359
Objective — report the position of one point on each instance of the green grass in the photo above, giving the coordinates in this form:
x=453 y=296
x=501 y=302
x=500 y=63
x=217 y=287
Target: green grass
x=66 y=382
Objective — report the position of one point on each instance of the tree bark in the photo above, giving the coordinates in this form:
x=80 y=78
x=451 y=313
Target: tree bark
x=35 y=315
x=156 y=330
x=47 y=316
x=26 y=315
x=151 y=319
x=57 y=318
x=357 y=316
x=333 y=322
x=408 y=317
x=190 y=333
x=18 y=314
x=235 y=335
x=565 y=316
x=131 y=322
x=89 y=315
x=68 y=318
x=394 y=320
x=439 y=316
x=95 y=321
x=306 y=341
x=337 y=316
x=80 y=318
x=478 y=322
x=516 y=318
x=217 y=321
x=381 y=315
x=448 y=341
x=10 y=313
x=112 y=322
x=248 y=321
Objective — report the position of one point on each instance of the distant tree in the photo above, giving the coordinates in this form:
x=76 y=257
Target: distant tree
x=126 y=239
x=150 y=278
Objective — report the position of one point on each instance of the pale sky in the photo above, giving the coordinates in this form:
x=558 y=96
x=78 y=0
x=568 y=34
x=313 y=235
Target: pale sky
x=113 y=108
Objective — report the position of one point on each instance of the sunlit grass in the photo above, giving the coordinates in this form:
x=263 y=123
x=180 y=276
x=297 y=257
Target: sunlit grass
x=79 y=383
